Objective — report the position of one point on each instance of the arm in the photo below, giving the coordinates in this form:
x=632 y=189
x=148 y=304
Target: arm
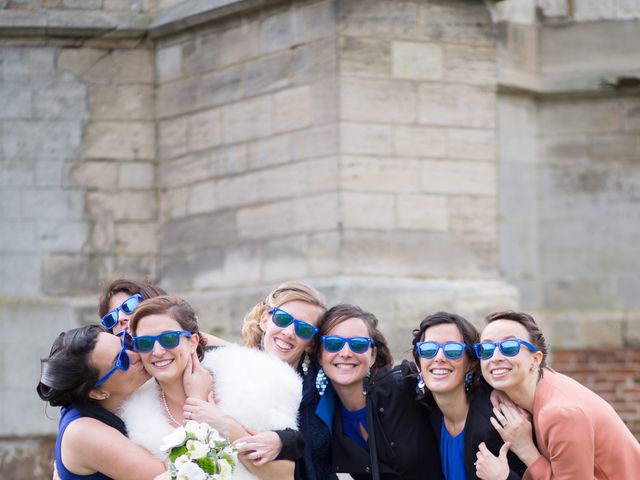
x=569 y=438
x=263 y=447
x=90 y=446
x=213 y=340
x=229 y=428
x=490 y=467
x=514 y=426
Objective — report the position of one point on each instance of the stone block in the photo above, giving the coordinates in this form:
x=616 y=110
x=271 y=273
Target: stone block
x=318 y=20
x=20 y=274
x=238 y=44
x=173 y=203
x=237 y=191
x=280 y=31
x=313 y=142
x=55 y=139
x=202 y=198
x=567 y=293
x=52 y=203
x=18 y=236
x=314 y=61
x=199 y=55
x=384 y=101
x=474 y=217
x=370 y=211
x=220 y=87
x=77 y=61
x=471 y=64
x=285 y=258
x=136 y=238
x=82 y=4
x=243 y=264
x=198 y=269
x=114 y=66
x=168 y=62
x=585 y=116
x=62 y=236
x=134 y=266
x=49 y=173
x=10 y=203
x=324 y=253
x=456 y=22
x=458 y=177
x=136 y=175
x=420 y=141
x=367 y=57
x=322 y=174
x=625 y=288
x=121 y=102
x=315 y=213
x=127 y=205
x=266 y=74
x=178 y=97
x=366 y=138
x=99 y=175
x=422 y=212
x=265 y=221
x=456 y=105
x=247 y=120
x=417 y=60
x=16 y=101
x=324 y=98
x=172 y=138
x=302 y=178
x=63 y=98
x=70 y=274
x=205 y=129
x=269 y=151
x=472 y=144
x=387 y=175
x=35 y=65
x=292 y=109
x=119 y=141
x=17 y=172
x=518 y=196
x=380 y=18
x=212 y=230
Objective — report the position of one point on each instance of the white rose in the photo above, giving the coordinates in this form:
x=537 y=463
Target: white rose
x=214 y=437
x=225 y=469
x=191 y=471
x=197 y=449
x=181 y=461
x=174 y=439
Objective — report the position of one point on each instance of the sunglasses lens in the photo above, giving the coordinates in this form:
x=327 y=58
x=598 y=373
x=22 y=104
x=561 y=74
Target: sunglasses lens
x=333 y=344
x=359 y=345
x=110 y=320
x=304 y=330
x=428 y=349
x=510 y=348
x=282 y=319
x=130 y=305
x=123 y=361
x=169 y=339
x=485 y=350
x=453 y=350
x=143 y=344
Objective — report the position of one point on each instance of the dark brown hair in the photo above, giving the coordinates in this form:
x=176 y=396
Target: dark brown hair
x=343 y=312
x=124 y=285
x=174 y=307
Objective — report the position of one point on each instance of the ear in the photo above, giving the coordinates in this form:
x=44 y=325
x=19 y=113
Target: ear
x=374 y=353
x=264 y=318
x=195 y=339
x=98 y=394
x=537 y=360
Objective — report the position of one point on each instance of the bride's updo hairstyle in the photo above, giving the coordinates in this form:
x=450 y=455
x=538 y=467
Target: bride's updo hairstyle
x=67 y=373
x=174 y=307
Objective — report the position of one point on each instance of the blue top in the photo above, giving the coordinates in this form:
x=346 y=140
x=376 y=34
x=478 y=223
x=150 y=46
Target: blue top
x=452 y=454
x=351 y=422
x=68 y=415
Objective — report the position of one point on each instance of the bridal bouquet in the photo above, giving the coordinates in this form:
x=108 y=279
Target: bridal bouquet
x=197 y=452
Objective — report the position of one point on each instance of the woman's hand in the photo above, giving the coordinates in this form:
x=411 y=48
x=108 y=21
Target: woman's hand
x=204 y=411
x=514 y=426
x=490 y=467
x=197 y=380
x=260 y=448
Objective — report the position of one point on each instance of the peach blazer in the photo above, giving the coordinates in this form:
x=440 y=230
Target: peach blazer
x=579 y=434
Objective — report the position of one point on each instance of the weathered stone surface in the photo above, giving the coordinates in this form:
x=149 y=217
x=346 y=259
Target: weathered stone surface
x=136 y=238
x=383 y=101
x=198 y=232
x=285 y=258
x=121 y=102
x=456 y=105
x=205 y=129
x=270 y=151
x=119 y=141
x=368 y=57
x=368 y=211
x=466 y=178
x=292 y=109
x=373 y=174
x=247 y=120
x=417 y=60
x=383 y=18
x=420 y=142
x=423 y=212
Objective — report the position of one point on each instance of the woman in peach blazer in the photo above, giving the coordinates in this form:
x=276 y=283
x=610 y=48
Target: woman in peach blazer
x=579 y=435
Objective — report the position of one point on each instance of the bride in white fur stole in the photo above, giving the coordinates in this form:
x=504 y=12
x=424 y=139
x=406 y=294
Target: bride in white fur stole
x=253 y=391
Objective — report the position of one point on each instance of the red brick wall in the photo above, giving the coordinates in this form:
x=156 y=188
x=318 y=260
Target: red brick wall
x=23 y=458
x=614 y=375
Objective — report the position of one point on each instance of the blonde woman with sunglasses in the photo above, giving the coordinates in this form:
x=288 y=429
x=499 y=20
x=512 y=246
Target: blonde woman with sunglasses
x=579 y=435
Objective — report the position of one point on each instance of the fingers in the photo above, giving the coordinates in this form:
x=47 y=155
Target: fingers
x=496 y=424
x=483 y=450
x=504 y=450
x=500 y=417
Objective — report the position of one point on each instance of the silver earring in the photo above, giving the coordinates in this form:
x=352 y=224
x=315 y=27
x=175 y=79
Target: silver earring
x=306 y=363
x=365 y=383
x=420 y=390
x=321 y=382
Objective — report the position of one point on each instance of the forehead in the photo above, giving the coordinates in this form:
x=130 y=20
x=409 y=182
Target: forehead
x=352 y=327
x=445 y=332
x=156 y=324
x=117 y=299
x=303 y=310
x=501 y=329
x=107 y=348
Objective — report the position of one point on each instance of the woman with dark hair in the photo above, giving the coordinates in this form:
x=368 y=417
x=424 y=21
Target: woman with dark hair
x=579 y=434
x=378 y=429
x=457 y=399
x=90 y=373
x=167 y=337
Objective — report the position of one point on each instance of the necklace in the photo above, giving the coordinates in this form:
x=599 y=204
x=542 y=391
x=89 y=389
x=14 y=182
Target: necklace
x=166 y=407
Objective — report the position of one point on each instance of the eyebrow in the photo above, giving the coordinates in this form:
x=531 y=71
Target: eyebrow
x=510 y=337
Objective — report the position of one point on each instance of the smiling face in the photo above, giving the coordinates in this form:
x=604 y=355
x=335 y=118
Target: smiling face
x=283 y=342
x=345 y=367
x=509 y=373
x=104 y=356
x=442 y=374
x=123 y=318
x=165 y=364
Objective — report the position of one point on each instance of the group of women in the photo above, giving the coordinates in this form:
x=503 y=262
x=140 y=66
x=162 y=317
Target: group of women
x=314 y=392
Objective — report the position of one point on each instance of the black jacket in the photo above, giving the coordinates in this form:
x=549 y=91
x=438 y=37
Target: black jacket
x=406 y=445
x=478 y=429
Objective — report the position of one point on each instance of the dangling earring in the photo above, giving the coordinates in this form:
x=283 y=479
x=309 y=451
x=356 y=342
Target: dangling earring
x=468 y=381
x=365 y=383
x=306 y=362
x=420 y=390
x=262 y=341
x=321 y=382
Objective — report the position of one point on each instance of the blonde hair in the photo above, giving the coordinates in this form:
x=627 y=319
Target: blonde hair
x=251 y=333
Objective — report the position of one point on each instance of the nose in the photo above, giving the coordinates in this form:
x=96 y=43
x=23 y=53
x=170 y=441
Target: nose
x=440 y=356
x=157 y=349
x=290 y=331
x=345 y=351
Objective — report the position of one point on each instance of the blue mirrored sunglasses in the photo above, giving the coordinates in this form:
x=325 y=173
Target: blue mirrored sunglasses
x=169 y=340
x=451 y=350
x=282 y=319
x=335 y=343
x=110 y=320
x=508 y=348
x=122 y=360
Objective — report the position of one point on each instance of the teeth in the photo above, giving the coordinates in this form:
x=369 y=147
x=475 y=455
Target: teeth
x=499 y=371
x=345 y=366
x=440 y=371
x=281 y=344
x=162 y=363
